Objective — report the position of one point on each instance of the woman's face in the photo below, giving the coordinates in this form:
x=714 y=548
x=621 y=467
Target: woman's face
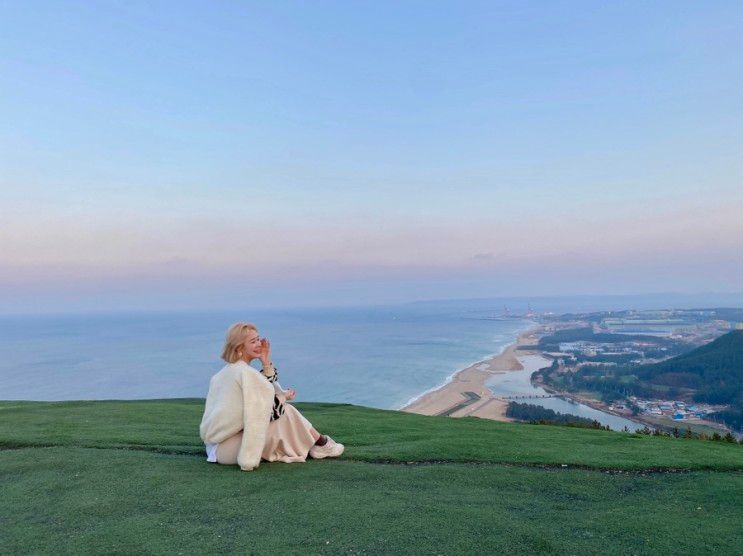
x=252 y=346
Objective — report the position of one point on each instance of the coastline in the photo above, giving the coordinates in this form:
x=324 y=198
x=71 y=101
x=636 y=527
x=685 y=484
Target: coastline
x=448 y=379
x=466 y=393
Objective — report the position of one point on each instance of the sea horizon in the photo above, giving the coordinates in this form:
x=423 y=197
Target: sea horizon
x=557 y=303
x=377 y=356
x=382 y=356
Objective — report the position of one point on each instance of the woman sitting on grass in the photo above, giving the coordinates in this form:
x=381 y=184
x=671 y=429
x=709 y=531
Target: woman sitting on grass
x=247 y=416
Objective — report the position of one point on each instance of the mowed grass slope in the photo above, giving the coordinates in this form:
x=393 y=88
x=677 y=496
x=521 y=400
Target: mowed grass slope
x=124 y=477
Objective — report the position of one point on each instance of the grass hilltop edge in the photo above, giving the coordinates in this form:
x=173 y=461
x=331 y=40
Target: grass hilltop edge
x=122 y=476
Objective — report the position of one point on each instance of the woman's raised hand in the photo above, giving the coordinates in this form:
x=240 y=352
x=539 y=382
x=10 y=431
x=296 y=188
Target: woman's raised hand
x=291 y=394
x=265 y=352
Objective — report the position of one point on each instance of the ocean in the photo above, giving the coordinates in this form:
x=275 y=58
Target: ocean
x=373 y=356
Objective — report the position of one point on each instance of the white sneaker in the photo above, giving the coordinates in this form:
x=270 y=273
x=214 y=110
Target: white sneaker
x=331 y=450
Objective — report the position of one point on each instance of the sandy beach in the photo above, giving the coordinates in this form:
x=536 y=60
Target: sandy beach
x=467 y=393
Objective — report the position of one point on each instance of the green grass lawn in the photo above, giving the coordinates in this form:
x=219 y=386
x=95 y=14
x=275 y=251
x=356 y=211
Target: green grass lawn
x=131 y=477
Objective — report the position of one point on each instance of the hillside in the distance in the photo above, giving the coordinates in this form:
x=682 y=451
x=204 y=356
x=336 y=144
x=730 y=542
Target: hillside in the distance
x=714 y=370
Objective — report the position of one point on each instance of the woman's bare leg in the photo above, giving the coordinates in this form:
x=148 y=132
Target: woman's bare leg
x=228 y=449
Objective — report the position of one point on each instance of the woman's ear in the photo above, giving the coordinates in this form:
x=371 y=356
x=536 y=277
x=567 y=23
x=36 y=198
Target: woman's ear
x=240 y=349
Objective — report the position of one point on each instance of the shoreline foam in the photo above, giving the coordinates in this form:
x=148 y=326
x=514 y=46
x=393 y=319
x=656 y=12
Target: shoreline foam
x=451 y=377
x=465 y=392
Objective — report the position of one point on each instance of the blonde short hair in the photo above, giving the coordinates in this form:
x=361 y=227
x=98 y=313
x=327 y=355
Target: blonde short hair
x=236 y=336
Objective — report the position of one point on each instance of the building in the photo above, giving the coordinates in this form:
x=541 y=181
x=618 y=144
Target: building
x=567 y=347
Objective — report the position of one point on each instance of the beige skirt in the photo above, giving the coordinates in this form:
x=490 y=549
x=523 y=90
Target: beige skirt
x=288 y=439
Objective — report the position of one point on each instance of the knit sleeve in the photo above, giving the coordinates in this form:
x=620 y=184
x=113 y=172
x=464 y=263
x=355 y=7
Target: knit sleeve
x=256 y=412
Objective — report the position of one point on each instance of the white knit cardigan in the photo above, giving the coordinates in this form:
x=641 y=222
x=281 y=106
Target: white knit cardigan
x=239 y=399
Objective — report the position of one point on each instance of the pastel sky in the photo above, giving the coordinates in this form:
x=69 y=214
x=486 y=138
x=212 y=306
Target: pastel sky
x=212 y=154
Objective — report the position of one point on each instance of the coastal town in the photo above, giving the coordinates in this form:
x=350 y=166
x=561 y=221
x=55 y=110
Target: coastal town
x=588 y=351
x=676 y=410
x=592 y=361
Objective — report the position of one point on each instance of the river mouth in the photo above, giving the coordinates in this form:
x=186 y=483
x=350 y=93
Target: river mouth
x=517 y=386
